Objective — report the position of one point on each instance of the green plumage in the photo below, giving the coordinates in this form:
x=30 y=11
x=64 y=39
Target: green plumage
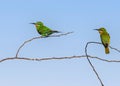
x=44 y=30
x=105 y=39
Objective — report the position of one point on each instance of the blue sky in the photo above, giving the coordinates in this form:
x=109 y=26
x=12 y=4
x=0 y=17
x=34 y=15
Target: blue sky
x=80 y=16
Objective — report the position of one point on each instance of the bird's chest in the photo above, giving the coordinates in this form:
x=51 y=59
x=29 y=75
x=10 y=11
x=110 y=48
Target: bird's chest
x=104 y=38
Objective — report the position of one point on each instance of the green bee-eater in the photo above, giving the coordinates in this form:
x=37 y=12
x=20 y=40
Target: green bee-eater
x=43 y=30
x=105 y=38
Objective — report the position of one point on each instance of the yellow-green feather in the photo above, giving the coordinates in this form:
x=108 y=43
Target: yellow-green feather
x=105 y=38
x=44 y=30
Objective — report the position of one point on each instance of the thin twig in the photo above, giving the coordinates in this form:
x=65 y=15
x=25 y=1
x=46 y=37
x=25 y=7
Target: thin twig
x=99 y=59
x=115 y=49
x=57 y=58
x=91 y=63
x=39 y=38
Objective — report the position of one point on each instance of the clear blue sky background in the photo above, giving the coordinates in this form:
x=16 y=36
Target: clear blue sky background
x=80 y=16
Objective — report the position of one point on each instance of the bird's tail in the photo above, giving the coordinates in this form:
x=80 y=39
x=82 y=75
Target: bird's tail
x=107 y=50
x=55 y=31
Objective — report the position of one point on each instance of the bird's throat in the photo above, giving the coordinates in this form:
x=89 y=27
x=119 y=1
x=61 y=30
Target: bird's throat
x=100 y=32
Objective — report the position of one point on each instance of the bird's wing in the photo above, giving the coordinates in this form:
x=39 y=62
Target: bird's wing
x=47 y=29
x=105 y=38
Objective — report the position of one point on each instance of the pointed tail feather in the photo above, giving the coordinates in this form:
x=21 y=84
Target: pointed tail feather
x=107 y=50
x=55 y=31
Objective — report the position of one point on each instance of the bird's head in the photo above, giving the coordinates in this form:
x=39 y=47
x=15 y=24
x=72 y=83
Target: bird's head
x=38 y=24
x=101 y=30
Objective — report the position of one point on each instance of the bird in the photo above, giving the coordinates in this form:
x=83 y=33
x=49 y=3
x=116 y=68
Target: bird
x=105 y=38
x=44 y=30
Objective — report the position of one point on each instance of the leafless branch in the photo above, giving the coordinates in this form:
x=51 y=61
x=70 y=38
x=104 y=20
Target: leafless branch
x=99 y=59
x=115 y=49
x=57 y=58
x=91 y=62
x=65 y=57
x=39 y=38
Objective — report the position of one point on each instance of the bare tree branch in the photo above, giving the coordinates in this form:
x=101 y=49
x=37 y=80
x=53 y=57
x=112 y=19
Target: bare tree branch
x=39 y=38
x=65 y=57
x=91 y=62
x=115 y=49
x=57 y=58
x=99 y=59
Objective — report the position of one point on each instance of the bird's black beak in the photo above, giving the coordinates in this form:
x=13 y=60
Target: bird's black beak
x=96 y=29
x=32 y=23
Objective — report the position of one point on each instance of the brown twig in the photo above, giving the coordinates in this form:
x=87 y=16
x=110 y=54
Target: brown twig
x=39 y=38
x=57 y=58
x=61 y=58
x=91 y=62
x=115 y=49
x=99 y=59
